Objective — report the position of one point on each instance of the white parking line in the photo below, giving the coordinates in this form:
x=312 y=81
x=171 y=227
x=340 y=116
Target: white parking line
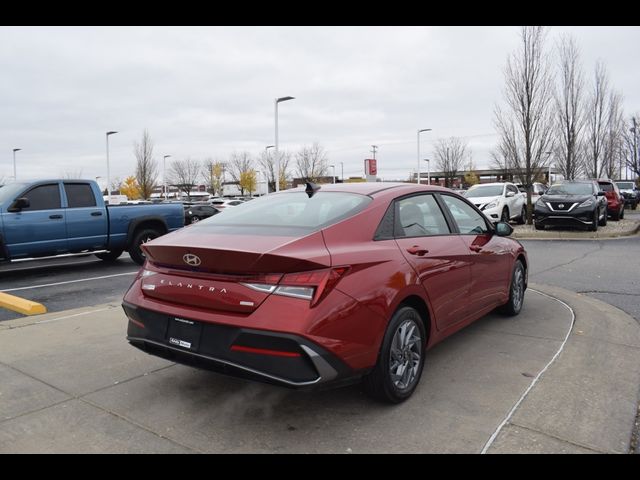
x=535 y=380
x=67 y=282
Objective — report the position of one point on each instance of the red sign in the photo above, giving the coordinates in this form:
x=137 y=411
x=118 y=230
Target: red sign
x=370 y=166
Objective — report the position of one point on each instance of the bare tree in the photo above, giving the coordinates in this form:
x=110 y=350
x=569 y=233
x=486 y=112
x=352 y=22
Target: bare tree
x=597 y=111
x=72 y=174
x=312 y=163
x=570 y=111
x=185 y=174
x=212 y=171
x=146 y=166
x=267 y=162
x=631 y=154
x=526 y=124
x=450 y=155
x=239 y=164
x=612 y=151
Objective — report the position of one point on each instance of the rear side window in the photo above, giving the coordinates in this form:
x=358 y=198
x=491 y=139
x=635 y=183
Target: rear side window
x=295 y=210
x=420 y=216
x=79 y=195
x=43 y=197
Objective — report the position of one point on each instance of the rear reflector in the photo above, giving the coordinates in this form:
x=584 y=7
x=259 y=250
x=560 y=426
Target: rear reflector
x=264 y=351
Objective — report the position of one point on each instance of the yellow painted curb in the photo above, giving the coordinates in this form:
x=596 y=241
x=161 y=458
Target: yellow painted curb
x=21 y=305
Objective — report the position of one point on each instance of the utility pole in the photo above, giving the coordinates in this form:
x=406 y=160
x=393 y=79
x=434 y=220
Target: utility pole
x=374 y=149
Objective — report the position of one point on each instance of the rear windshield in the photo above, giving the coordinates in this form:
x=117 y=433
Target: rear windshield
x=287 y=212
x=571 y=189
x=606 y=187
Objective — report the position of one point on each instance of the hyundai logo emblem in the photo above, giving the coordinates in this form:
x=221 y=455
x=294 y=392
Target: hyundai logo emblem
x=191 y=259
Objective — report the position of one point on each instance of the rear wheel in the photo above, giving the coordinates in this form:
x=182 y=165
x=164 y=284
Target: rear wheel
x=622 y=213
x=110 y=256
x=523 y=216
x=516 y=291
x=140 y=238
x=615 y=216
x=401 y=358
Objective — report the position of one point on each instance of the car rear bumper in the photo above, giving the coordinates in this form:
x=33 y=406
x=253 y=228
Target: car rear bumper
x=284 y=359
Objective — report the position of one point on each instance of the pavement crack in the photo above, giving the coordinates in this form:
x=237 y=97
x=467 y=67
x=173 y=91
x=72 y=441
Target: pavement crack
x=581 y=257
x=557 y=437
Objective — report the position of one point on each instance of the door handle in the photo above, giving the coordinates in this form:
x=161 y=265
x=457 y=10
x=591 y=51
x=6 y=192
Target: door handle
x=55 y=217
x=416 y=250
x=475 y=248
x=96 y=214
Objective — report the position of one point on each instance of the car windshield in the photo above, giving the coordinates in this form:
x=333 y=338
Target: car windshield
x=485 y=191
x=294 y=211
x=625 y=185
x=8 y=192
x=571 y=189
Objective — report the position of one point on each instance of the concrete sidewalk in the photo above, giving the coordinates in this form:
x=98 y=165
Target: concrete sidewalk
x=69 y=382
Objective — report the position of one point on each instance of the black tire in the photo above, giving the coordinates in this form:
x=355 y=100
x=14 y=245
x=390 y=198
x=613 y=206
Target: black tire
x=504 y=217
x=195 y=219
x=622 y=214
x=516 y=291
x=111 y=256
x=379 y=383
x=538 y=226
x=615 y=216
x=634 y=206
x=603 y=222
x=140 y=237
x=594 y=222
x=522 y=219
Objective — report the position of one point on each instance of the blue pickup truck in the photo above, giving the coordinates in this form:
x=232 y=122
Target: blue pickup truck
x=54 y=217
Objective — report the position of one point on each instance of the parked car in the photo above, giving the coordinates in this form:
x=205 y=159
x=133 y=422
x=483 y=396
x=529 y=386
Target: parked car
x=334 y=283
x=500 y=202
x=198 y=211
x=53 y=217
x=224 y=203
x=630 y=192
x=615 y=200
x=578 y=203
x=537 y=189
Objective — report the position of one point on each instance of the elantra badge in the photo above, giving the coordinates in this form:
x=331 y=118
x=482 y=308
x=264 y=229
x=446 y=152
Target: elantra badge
x=191 y=259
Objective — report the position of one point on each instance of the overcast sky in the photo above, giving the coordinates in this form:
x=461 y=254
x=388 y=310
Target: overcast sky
x=209 y=91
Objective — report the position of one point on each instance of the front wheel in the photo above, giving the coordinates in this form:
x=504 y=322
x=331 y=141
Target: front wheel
x=522 y=219
x=401 y=358
x=140 y=238
x=594 y=222
x=516 y=291
x=603 y=222
x=505 y=215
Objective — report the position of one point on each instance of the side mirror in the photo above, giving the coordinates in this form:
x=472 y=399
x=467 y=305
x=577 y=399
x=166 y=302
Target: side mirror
x=19 y=204
x=600 y=193
x=503 y=229
x=510 y=194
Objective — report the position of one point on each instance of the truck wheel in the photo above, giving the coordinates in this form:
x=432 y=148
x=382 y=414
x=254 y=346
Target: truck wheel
x=110 y=256
x=139 y=238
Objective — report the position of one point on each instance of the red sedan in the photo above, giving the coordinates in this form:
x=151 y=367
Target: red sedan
x=325 y=285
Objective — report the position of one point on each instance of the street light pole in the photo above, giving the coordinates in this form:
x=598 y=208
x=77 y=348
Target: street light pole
x=164 y=176
x=333 y=177
x=15 y=179
x=108 y=170
x=428 y=160
x=277 y=101
x=342 y=171
x=419 y=132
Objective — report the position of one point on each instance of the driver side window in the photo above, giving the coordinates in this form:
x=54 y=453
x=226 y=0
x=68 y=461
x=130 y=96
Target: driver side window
x=468 y=219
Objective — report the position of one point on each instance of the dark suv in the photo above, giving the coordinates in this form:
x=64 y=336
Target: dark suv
x=615 y=200
x=572 y=204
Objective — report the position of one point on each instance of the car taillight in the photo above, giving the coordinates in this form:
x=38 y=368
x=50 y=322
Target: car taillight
x=312 y=286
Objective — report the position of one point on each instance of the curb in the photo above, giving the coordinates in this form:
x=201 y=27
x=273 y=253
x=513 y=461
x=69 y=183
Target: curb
x=21 y=305
x=572 y=235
